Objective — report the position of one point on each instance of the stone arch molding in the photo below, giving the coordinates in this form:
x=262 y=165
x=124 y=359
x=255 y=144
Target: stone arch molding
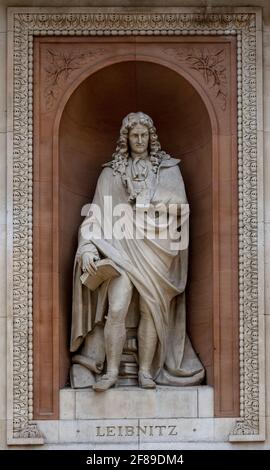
x=23 y=25
x=71 y=88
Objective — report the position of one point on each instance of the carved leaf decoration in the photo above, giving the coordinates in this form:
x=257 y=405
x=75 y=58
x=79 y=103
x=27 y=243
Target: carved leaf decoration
x=60 y=66
x=210 y=64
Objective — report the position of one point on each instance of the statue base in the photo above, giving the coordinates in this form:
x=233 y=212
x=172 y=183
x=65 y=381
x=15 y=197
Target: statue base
x=133 y=402
x=131 y=415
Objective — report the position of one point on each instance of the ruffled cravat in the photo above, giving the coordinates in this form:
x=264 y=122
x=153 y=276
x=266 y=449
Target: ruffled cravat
x=139 y=169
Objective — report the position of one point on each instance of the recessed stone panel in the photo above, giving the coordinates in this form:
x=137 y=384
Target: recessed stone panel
x=164 y=402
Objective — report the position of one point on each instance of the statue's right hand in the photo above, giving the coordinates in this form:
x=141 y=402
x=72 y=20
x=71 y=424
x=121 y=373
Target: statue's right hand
x=88 y=262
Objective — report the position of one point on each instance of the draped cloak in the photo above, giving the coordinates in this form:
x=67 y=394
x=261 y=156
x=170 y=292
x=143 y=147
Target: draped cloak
x=156 y=269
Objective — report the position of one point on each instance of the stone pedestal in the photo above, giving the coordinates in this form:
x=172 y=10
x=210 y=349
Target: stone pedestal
x=133 y=416
x=133 y=402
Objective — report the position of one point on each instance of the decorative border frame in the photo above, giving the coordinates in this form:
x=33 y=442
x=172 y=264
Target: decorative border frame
x=23 y=25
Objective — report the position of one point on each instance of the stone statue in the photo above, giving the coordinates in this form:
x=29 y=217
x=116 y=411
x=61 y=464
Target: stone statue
x=143 y=179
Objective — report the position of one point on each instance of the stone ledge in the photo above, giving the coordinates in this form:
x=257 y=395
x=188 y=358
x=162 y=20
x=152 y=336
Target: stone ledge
x=121 y=431
x=136 y=432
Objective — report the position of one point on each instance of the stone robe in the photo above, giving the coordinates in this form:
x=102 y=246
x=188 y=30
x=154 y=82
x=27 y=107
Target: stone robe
x=157 y=271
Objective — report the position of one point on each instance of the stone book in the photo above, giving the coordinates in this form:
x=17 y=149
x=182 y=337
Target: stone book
x=106 y=269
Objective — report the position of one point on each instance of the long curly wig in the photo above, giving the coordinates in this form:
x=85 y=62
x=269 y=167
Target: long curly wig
x=122 y=152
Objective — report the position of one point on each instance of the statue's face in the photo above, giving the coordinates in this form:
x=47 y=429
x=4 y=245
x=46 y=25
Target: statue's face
x=138 y=139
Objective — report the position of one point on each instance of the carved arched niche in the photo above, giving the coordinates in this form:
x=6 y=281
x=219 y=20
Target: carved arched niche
x=78 y=124
x=89 y=130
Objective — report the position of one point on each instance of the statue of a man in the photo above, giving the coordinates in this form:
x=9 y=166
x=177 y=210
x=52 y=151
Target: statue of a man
x=145 y=180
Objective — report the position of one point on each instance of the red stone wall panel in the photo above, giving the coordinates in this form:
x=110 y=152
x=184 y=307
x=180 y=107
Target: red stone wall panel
x=77 y=119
